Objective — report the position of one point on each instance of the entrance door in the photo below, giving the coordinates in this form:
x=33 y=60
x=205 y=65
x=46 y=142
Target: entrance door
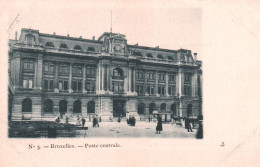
x=63 y=107
x=119 y=108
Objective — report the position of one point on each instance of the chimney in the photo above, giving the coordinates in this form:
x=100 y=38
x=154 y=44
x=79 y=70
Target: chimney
x=80 y=37
x=54 y=33
x=16 y=35
x=157 y=47
x=68 y=35
x=195 y=56
x=93 y=38
x=136 y=44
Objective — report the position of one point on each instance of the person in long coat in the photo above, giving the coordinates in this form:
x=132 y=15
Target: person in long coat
x=188 y=124
x=159 y=125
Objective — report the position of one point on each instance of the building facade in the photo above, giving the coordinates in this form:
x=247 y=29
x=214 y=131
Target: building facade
x=55 y=75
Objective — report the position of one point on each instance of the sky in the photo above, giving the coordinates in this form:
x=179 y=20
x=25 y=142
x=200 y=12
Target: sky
x=148 y=24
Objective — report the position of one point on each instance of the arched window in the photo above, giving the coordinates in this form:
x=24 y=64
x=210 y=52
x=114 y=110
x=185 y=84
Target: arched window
x=27 y=105
x=77 y=106
x=170 y=58
x=189 y=110
x=140 y=108
x=149 y=55
x=49 y=45
x=48 y=106
x=152 y=107
x=77 y=48
x=63 y=106
x=173 y=109
x=91 y=49
x=63 y=46
x=117 y=72
x=163 y=107
x=136 y=53
x=159 y=56
x=91 y=107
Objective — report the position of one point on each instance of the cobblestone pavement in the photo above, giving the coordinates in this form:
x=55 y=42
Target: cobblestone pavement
x=142 y=129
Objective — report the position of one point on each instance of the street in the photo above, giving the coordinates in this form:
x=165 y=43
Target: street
x=142 y=129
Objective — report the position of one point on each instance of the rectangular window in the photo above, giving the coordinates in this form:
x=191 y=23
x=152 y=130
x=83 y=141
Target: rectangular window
x=60 y=85
x=90 y=71
x=25 y=83
x=51 y=67
x=30 y=83
x=152 y=90
x=79 y=86
x=46 y=84
x=66 y=85
x=63 y=68
x=31 y=65
x=28 y=64
x=51 y=84
x=74 y=85
x=46 y=67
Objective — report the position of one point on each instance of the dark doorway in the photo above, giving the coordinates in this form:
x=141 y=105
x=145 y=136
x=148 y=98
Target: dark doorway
x=173 y=109
x=152 y=107
x=119 y=108
x=63 y=107
x=189 y=110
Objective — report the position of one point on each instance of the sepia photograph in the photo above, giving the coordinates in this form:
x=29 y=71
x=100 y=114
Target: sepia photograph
x=106 y=86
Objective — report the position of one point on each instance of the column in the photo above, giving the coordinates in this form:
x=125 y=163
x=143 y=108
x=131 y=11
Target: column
x=129 y=79
x=70 y=78
x=103 y=77
x=167 y=84
x=134 y=79
x=180 y=82
x=56 y=79
x=97 y=79
x=16 y=69
x=84 y=79
x=35 y=75
x=145 y=82
x=195 y=85
x=108 y=77
x=156 y=83
x=39 y=72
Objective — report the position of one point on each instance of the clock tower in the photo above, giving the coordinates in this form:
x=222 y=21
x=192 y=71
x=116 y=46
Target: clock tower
x=115 y=44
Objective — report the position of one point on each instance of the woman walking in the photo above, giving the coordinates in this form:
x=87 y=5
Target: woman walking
x=159 y=125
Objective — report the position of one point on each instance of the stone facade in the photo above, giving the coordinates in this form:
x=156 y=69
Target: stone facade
x=56 y=75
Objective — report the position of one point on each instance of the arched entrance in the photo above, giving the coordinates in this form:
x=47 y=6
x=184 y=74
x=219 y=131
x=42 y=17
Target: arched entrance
x=152 y=107
x=189 y=110
x=63 y=107
x=91 y=107
x=141 y=108
x=163 y=107
x=173 y=109
x=77 y=106
x=119 y=108
x=48 y=106
x=27 y=105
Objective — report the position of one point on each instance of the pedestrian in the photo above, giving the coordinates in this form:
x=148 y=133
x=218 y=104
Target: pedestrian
x=95 y=122
x=67 y=119
x=172 y=121
x=149 y=118
x=78 y=121
x=83 y=121
x=199 y=134
x=57 y=120
x=159 y=125
x=133 y=121
x=188 y=124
